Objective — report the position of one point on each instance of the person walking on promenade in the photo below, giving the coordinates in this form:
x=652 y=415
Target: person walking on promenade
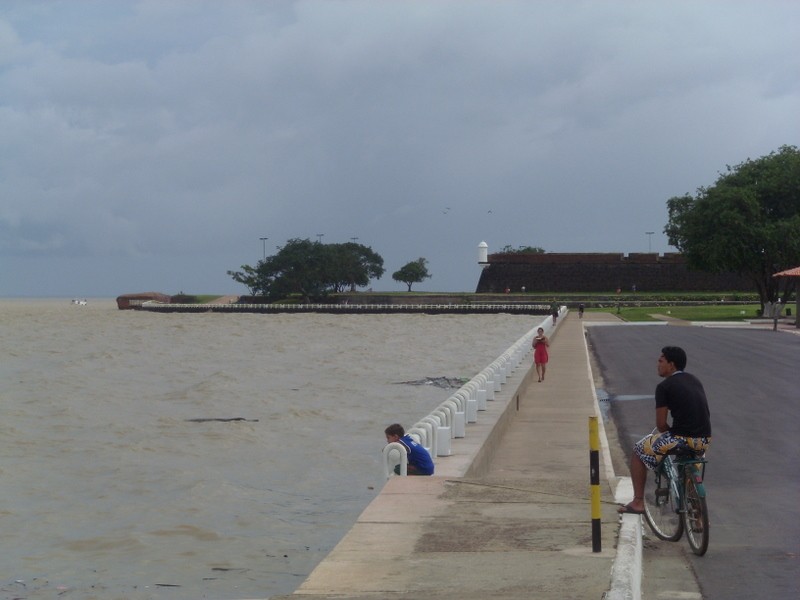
x=554 y=311
x=681 y=395
x=581 y=308
x=540 y=355
x=419 y=460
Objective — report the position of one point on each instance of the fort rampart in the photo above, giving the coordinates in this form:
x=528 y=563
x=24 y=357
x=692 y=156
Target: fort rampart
x=600 y=272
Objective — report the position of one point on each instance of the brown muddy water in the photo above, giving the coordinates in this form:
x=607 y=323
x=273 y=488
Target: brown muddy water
x=186 y=456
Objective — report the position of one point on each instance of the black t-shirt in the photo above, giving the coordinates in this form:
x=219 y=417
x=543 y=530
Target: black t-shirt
x=684 y=396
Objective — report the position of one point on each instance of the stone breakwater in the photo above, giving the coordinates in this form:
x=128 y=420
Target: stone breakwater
x=432 y=309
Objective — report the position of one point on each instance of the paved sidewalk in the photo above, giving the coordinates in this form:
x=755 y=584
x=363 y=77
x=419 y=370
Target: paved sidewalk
x=513 y=526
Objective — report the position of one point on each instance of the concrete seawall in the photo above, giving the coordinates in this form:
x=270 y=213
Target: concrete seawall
x=507 y=515
x=472 y=454
x=506 y=405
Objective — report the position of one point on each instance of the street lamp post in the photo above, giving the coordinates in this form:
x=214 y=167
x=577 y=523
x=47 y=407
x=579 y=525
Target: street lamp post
x=649 y=235
x=264 y=244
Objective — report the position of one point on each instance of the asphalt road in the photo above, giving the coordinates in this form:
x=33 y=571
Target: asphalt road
x=752 y=380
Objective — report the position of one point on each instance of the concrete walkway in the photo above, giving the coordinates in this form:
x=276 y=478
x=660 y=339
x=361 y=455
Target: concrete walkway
x=508 y=516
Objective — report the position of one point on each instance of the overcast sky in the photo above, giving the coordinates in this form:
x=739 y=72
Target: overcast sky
x=149 y=145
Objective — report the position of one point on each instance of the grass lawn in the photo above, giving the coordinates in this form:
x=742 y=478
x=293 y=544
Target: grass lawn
x=688 y=313
x=206 y=298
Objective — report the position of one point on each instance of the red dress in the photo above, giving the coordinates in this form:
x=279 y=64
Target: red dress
x=540 y=355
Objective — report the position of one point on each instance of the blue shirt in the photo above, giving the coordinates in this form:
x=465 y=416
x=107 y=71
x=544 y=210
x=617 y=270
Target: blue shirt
x=417 y=455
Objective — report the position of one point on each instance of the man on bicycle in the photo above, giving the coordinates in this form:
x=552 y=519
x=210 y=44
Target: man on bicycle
x=682 y=395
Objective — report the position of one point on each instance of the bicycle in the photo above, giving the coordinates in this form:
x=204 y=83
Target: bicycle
x=675 y=500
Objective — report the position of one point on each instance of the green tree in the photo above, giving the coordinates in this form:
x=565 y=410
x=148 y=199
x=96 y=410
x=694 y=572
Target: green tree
x=413 y=272
x=249 y=277
x=522 y=250
x=311 y=270
x=352 y=265
x=747 y=222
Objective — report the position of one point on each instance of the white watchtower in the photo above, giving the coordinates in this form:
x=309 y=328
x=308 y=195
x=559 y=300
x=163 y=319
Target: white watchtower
x=483 y=254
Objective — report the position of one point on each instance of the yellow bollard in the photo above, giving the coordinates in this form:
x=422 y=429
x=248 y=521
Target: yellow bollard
x=594 y=477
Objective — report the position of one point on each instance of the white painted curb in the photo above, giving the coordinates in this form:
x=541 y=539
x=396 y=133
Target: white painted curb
x=626 y=574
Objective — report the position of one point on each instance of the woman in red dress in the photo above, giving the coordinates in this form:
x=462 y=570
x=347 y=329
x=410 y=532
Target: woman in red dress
x=540 y=356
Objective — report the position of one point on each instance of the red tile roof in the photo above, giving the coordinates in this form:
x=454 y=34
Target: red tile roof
x=789 y=273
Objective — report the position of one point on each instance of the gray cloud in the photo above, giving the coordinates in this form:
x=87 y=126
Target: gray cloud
x=149 y=145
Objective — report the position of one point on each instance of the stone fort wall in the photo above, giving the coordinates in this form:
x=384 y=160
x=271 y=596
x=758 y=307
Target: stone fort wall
x=600 y=272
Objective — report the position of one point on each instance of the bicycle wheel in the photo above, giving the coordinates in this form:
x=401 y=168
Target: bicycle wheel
x=695 y=516
x=661 y=507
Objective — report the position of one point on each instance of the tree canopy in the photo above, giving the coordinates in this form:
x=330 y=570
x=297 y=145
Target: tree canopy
x=311 y=270
x=748 y=222
x=522 y=250
x=413 y=272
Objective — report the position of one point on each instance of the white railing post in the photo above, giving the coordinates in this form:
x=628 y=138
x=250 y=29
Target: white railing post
x=462 y=397
x=471 y=392
x=426 y=435
x=488 y=372
x=459 y=416
x=512 y=358
x=433 y=422
x=443 y=435
x=394 y=454
x=449 y=410
x=502 y=369
x=519 y=352
x=480 y=390
x=496 y=377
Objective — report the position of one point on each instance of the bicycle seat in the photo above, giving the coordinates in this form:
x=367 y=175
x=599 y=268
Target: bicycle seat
x=683 y=452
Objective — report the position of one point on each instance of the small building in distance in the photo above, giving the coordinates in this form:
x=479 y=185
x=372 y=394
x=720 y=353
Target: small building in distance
x=131 y=301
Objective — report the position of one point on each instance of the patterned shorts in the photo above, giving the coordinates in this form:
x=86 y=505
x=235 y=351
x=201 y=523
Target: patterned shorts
x=652 y=448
